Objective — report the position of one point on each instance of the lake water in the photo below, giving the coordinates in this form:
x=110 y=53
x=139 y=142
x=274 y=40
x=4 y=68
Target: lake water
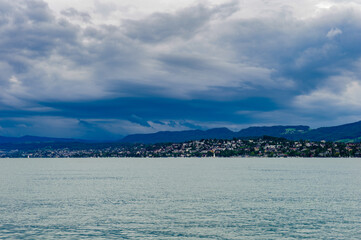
x=206 y=198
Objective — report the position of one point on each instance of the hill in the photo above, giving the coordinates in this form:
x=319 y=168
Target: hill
x=344 y=133
x=215 y=133
x=179 y=136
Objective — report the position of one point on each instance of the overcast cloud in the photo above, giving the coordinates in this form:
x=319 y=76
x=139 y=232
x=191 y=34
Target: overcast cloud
x=103 y=69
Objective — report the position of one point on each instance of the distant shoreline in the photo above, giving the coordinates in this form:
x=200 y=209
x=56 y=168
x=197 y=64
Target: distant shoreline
x=271 y=147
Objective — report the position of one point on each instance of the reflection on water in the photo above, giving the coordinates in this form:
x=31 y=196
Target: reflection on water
x=235 y=198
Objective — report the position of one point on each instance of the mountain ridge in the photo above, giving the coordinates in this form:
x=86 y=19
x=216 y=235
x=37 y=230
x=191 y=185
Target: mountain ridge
x=350 y=132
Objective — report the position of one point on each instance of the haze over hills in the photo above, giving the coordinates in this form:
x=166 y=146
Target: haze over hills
x=346 y=133
x=35 y=139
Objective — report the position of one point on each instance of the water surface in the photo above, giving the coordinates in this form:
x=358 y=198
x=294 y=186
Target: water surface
x=200 y=198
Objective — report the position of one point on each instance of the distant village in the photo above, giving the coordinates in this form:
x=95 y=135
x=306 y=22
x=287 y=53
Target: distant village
x=257 y=147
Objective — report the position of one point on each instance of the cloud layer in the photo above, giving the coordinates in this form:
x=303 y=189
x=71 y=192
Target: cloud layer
x=103 y=70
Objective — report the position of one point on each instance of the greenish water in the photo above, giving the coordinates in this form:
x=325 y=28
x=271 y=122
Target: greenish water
x=214 y=198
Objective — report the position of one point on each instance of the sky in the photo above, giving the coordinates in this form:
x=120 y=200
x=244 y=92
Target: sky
x=104 y=69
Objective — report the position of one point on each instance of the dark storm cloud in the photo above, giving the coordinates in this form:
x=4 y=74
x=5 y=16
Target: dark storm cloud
x=192 y=68
x=137 y=110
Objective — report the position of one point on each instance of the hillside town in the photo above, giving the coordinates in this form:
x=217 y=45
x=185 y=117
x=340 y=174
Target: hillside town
x=257 y=147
